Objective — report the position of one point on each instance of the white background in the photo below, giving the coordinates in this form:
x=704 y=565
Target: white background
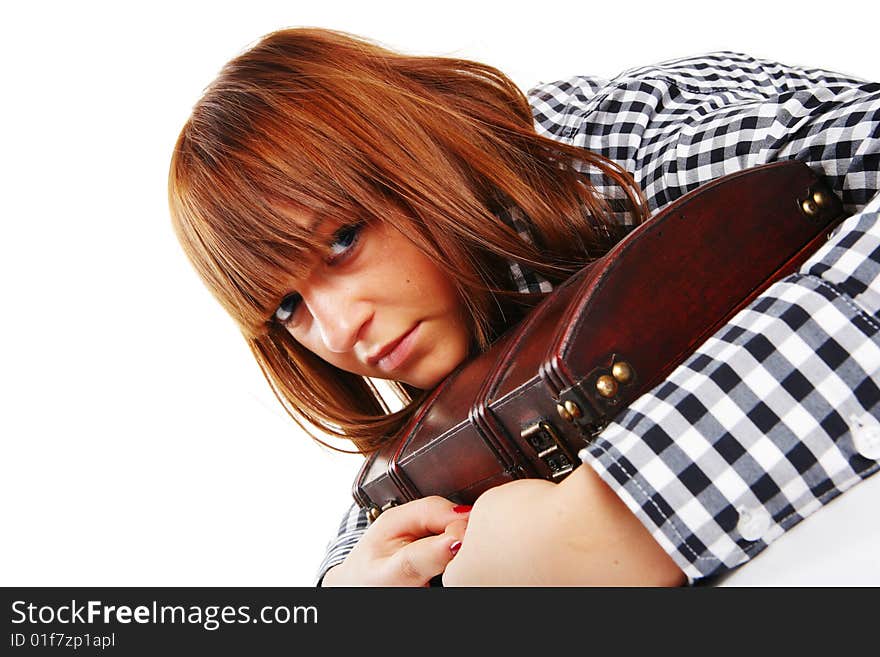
x=140 y=445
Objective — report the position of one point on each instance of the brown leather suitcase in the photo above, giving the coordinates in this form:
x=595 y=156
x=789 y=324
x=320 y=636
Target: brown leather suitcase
x=607 y=335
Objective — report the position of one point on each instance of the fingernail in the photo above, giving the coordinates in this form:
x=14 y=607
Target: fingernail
x=462 y=508
x=455 y=547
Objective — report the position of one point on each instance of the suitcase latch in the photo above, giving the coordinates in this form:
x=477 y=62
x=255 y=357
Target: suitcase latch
x=543 y=439
x=374 y=511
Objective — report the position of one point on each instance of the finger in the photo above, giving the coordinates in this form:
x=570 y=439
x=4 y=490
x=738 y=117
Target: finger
x=416 y=563
x=420 y=518
x=457 y=528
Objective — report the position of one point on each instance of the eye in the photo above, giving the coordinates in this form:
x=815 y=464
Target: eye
x=287 y=307
x=344 y=241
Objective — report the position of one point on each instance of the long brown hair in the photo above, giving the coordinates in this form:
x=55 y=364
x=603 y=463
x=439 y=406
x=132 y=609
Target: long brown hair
x=317 y=121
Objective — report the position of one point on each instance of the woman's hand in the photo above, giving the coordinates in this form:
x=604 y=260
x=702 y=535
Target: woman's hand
x=531 y=532
x=406 y=546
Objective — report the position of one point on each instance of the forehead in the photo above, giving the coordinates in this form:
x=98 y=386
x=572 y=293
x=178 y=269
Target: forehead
x=303 y=238
x=305 y=220
x=311 y=226
x=297 y=233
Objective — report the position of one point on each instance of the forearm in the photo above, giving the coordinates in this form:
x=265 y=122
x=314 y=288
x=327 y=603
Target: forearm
x=531 y=532
x=614 y=548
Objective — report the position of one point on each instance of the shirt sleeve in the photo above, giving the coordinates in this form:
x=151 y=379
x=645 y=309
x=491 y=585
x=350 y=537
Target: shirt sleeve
x=776 y=414
x=353 y=525
x=770 y=419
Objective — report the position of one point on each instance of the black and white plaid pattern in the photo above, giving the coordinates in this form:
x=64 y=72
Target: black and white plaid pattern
x=761 y=426
x=683 y=123
x=524 y=279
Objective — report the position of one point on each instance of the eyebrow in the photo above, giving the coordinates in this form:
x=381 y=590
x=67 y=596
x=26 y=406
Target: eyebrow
x=316 y=225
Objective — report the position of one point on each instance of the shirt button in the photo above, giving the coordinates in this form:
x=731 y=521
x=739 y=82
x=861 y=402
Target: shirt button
x=866 y=435
x=753 y=523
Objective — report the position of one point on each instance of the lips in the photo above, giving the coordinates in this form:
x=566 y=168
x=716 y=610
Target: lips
x=393 y=354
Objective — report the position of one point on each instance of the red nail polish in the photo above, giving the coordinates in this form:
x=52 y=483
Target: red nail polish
x=462 y=508
x=455 y=547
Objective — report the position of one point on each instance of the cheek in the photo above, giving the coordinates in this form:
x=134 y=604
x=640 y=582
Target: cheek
x=428 y=282
x=418 y=288
x=410 y=274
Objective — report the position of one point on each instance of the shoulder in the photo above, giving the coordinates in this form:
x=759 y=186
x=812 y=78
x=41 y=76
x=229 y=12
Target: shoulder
x=705 y=75
x=729 y=70
x=561 y=107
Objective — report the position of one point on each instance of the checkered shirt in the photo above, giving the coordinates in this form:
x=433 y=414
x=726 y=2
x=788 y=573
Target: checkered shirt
x=777 y=413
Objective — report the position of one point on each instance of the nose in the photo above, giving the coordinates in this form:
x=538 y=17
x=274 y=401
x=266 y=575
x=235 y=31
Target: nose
x=339 y=316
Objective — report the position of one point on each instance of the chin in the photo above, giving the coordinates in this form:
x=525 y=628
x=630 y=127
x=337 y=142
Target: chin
x=424 y=383
x=431 y=379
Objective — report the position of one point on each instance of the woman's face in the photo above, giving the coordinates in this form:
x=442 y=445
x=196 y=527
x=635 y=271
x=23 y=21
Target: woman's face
x=375 y=305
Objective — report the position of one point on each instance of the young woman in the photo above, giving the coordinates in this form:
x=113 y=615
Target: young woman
x=367 y=215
